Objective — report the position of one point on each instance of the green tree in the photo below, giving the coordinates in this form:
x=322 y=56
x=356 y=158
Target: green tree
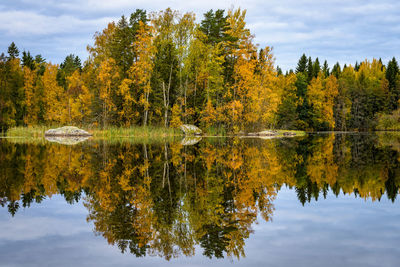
x=13 y=51
x=392 y=75
x=302 y=64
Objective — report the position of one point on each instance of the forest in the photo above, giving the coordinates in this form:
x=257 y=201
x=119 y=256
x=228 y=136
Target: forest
x=165 y=69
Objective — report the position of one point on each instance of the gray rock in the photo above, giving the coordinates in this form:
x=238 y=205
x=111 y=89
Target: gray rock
x=267 y=133
x=263 y=133
x=67 y=131
x=189 y=129
x=191 y=140
x=70 y=141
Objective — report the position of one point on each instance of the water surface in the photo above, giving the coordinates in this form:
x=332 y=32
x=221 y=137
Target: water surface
x=321 y=200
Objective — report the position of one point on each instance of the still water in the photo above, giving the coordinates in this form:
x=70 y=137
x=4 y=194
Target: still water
x=320 y=200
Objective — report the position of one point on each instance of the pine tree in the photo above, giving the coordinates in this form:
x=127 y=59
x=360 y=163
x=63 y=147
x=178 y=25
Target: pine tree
x=278 y=70
x=325 y=69
x=310 y=70
x=336 y=70
x=13 y=51
x=316 y=68
x=302 y=64
x=392 y=75
x=27 y=60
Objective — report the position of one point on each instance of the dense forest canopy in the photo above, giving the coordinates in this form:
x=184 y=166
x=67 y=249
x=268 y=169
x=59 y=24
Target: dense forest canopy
x=166 y=69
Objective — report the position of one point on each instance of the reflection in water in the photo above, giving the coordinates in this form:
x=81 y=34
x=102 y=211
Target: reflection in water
x=164 y=199
x=67 y=140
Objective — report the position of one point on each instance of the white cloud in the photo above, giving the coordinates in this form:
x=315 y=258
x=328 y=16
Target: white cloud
x=319 y=28
x=27 y=23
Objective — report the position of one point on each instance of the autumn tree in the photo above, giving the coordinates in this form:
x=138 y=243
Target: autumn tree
x=107 y=80
x=53 y=96
x=31 y=97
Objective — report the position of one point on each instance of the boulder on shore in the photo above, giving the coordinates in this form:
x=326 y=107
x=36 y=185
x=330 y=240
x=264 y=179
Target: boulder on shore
x=268 y=133
x=67 y=131
x=189 y=129
x=263 y=133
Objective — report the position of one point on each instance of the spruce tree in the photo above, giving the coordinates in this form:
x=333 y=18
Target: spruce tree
x=392 y=75
x=336 y=70
x=325 y=69
x=310 y=70
x=13 y=51
x=302 y=64
x=356 y=66
x=279 y=70
x=27 y=60
x=316 y=68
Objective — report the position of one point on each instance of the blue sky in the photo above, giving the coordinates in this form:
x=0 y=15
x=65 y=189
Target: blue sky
x=343 y=31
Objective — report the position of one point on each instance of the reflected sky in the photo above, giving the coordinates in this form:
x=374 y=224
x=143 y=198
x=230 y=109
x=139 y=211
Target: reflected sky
x=336 y=231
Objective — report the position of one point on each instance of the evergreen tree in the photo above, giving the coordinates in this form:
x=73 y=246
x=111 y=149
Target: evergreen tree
x=303 y=109
x=70 y=64
x=392 y=75
x=316 y=68
x=40 y=63
x=278 y=70
x=27 y=60
x=302 y=64
x=13 y=51
x=325 y=69
x=214 y=26
x=310 y=70
x=336 y=70
x=356 y=66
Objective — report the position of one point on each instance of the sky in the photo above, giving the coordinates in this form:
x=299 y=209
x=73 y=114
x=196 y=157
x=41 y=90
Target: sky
x=343 y=31
x=343 y=231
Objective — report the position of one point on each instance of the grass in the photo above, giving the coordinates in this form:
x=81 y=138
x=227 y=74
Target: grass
x=27 y=132
x=109 y=133
x=134 y=131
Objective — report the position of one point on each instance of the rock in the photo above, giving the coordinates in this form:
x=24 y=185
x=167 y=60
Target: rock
x=70 y=141
x=263 y=133
x=267 y=133
x=67 y=131
x=189 y=129
x=191 y=140
x=289 y=134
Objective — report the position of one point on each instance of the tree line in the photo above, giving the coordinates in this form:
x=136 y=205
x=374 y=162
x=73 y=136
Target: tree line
x=166 y=69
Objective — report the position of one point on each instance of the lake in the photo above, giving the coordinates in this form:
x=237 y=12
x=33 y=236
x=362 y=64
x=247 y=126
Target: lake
x=320 y=200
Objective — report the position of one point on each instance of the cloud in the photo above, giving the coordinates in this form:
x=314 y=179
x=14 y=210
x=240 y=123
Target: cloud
x=336 y=30
x=27 y=23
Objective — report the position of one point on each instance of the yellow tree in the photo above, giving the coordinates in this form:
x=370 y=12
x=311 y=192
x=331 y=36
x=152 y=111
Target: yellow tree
x=321 y=94
x=53 y=95
x=107 y=76
x=31 y=101
x=242 y=50
x=176 y=114
x=78 y=99
x=128 y=114
x=266 y=96
x=142 y=68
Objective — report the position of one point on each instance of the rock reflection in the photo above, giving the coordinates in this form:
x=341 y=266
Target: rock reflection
x=164 y=200
x=70 y=140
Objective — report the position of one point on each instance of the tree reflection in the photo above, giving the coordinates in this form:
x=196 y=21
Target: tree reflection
x=164 y=200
